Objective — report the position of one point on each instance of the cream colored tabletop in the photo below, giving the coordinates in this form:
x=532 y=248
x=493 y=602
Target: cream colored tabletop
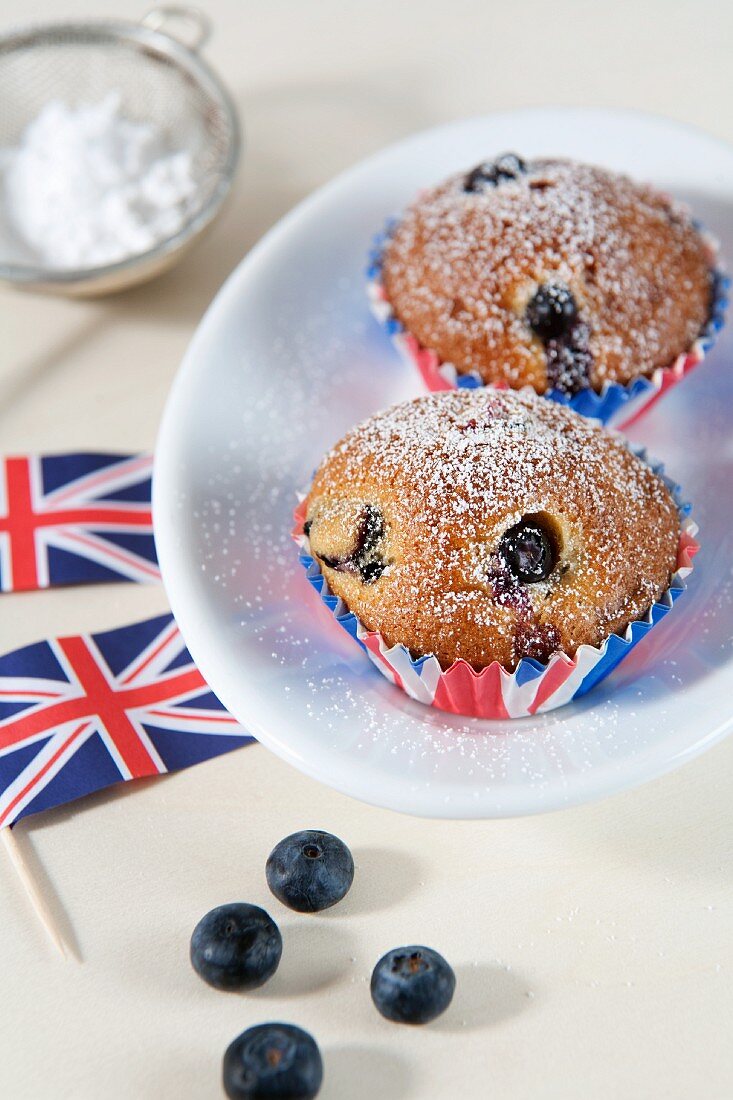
x=592 y=947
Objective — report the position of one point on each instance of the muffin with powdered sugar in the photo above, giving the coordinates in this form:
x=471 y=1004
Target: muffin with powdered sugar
x=548 y=273
x=488 y=526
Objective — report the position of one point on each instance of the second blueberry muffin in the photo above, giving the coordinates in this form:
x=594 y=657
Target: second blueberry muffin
x=549 y=273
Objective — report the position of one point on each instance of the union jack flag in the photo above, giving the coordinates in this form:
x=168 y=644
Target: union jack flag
x=75 y=518
x=80 y=713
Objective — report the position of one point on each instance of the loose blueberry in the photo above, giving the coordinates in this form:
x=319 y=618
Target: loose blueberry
x=412 y=985
x=491 y=173
x=236 y=946
x=310 y=871
x=363 y=559
x=273 y=1062
x=528 y=551
x=552 y=311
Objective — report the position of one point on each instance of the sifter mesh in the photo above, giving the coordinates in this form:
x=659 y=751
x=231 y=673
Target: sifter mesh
x=158 y=79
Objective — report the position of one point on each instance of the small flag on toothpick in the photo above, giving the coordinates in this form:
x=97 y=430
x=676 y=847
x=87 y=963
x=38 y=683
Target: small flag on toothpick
x=80 y=713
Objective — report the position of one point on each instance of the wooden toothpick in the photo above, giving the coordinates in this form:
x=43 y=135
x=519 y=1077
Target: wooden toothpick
x=31 y=888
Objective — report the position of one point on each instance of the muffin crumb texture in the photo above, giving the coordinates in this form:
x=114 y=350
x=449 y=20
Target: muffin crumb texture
x=490 y=525
x=549 y=273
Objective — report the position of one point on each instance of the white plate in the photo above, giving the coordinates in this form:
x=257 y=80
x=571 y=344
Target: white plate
x=286 y=359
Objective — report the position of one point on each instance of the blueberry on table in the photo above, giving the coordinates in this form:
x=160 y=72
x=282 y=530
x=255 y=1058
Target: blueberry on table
x=310 y=870
x=412 y=985
x=236 y=946
x=273 y=1062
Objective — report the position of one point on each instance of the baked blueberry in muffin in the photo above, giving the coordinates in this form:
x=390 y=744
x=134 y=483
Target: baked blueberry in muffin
x=490 y=525
x=549 y=273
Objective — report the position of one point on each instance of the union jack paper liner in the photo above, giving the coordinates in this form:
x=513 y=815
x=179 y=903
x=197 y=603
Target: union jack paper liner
x=493 y=692
x=616 y=405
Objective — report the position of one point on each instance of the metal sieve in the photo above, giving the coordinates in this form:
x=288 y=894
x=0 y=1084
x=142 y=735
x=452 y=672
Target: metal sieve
x=161 y=80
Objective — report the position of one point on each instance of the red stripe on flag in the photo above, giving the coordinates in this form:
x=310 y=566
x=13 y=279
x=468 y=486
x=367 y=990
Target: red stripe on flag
x=111 y=551
x=135 y=671
x=88 y=482
x=104 y=702
x=20 y=524
x=194 y=716
x=109 y=706
x=39 y=775
x=27 y=694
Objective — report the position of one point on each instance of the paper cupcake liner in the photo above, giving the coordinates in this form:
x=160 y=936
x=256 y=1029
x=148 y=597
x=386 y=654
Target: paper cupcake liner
x=616 y=405
x=493 y=692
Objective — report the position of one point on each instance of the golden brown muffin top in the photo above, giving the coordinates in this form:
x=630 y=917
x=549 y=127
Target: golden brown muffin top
x=549 y=273
x=425 y=519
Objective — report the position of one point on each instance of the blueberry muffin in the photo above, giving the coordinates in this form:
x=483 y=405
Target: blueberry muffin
x=490 y=525
x=549 y=273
